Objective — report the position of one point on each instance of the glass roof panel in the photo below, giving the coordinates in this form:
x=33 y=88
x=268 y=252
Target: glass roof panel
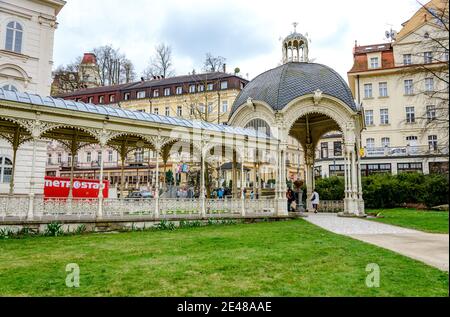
x=123 y=113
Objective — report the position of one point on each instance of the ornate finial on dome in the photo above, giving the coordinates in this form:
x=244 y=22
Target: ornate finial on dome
x=295 y=47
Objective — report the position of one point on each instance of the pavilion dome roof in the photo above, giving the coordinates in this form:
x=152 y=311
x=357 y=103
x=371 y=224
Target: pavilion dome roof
x=279 y=86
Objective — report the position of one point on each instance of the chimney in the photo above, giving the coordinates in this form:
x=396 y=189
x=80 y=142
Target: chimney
x=224 y=67
x=89 y=58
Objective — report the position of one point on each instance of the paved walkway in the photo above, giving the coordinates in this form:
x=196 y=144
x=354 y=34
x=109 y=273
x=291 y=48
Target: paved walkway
x=430 y=248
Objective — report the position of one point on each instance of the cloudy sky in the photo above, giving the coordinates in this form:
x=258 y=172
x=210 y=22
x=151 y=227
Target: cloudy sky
x=247 y=33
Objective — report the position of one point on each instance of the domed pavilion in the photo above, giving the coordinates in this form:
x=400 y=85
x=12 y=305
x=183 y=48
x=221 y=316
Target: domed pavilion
x=305 y=100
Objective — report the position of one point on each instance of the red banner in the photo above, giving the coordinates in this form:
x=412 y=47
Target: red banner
x=57 y=187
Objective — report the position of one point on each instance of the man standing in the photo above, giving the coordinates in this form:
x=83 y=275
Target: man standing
x=315 y=199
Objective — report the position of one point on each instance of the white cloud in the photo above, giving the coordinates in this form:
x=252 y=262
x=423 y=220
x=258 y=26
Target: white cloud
x=247 y=33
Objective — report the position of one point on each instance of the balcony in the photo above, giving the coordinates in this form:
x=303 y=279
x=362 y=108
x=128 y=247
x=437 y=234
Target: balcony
x=423 y=150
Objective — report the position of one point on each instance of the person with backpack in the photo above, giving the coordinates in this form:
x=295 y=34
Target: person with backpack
x=315 y=199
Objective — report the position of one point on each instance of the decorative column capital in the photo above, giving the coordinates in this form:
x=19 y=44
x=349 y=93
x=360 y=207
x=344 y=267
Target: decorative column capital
x=158 y=142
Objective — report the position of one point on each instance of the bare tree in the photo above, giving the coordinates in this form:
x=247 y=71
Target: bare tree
x=161 y=63
x=433 y=73
x=114 y=67
x=128 y=71
x=213 y=63
x=66 y=78
x=204 y=103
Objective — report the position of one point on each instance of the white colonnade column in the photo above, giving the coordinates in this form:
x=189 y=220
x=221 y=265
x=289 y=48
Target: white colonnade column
x=30 y=214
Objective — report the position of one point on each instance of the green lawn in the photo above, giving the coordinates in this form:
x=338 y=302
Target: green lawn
x=429 y=221
x=292 y=258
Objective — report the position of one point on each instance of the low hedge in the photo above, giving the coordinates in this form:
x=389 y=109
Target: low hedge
x=390 y=191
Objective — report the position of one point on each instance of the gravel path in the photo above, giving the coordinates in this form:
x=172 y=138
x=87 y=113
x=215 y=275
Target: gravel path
x=432 y=249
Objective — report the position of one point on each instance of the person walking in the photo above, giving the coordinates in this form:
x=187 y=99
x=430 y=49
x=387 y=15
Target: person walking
x=315 y=200
x=290 y=199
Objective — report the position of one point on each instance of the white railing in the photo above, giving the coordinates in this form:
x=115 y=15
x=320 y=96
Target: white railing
x=14 y=207
x=260 y=206
x=218 y=207
x=333 y=206
x=128 y=207
x=179 y=206
x=64 y=208
x=18 y=208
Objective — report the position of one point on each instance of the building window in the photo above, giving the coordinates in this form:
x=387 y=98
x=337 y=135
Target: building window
x=192 y=89
x=224 y=106
x=14 y=35
x=383 y=90
x=110 y=156
x=192 y=110
x=140 y=94
x=374 y=62
x=91 y=100
x=127 y=96
x=49 y=159
x=337 y=148
x=370 y=143
x=139 y=156
x=337 y=170
x=429 y=84
x=201 y=88
x=179 y=90
x=101 y=99
x=59 y=158
x=210 y=87
x=210 y=107
x=10 y=87
x=224 y=85
x=260 y=126
x=88 y=157
x=428 y=57
x=99 y=156
x=368 y=91
x=409 y=87
x=201 y=107
x=369 y=117
x=180 y=111
x=409 y=167
x=112 y=98
x=407 y=59
x=384 y=116
x=433 y=142
x=156 y=93
x=167 y=112
x=324 y=150
x=410 y=115
x=431 y=113
x=368 y=169
x=438 y=167
x=156 y=111
x=385 y=142
x=166 y=92
x=411 y=140
x=5 y=169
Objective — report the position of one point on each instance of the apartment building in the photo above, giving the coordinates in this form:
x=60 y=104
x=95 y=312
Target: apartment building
x=402 y=87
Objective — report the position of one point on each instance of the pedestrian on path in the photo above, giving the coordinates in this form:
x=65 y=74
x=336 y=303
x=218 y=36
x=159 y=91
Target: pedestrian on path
x=315 y=199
